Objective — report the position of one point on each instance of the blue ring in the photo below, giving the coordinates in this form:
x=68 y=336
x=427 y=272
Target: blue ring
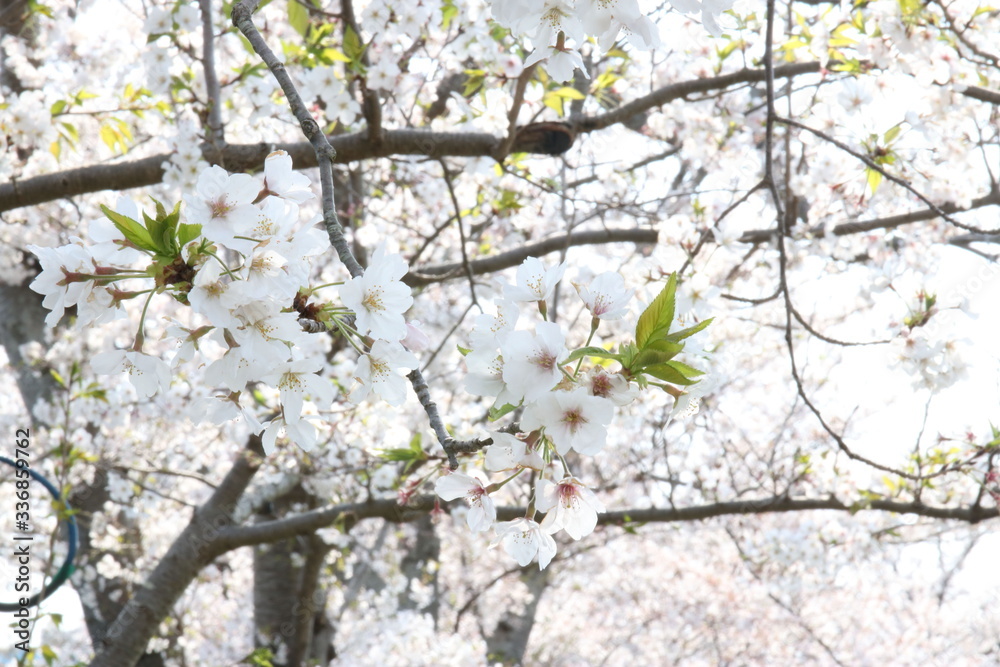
x=72 y=537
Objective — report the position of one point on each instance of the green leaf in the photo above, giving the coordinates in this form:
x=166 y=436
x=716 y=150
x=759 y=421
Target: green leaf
x=892 y=133
x=683 y=368
x=298 y=17
x=155 y=228
x=57 y=377
x=332 y=55
x=604 y=80
x=352 y=45
x=70 y=132
x=132 y=230
x=668 y=373
x=260 y=657
x=400 y=454
x=655 y=320
x=57 y=107
x=475 y=81
x=496 y=413
x=598 y=352
x=874 y=178
x=187 y=233
x=657 y=352
x=690 y=331
x=448 y=13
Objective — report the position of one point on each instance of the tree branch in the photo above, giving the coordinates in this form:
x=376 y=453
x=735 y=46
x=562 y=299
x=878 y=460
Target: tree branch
x=438 y=273
x=349 y=147
x=193 y=549
x=389 y=509
x=888 y=222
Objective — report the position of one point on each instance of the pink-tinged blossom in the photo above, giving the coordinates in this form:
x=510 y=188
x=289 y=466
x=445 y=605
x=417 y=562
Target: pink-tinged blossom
x=61 y=280
x=509 y=453
x=612 y=386
x=534 y=281
x=571 y=419
x=416 y=340
x=378 y=298
x=189 y=341
x=569 y=506
x=606 y=297
x=147 y=374
x=282 y=181
x=482 y=511
x=376 y=372
x=295 y=380
x=523 y=539
x=531 y=361
x=223 y=205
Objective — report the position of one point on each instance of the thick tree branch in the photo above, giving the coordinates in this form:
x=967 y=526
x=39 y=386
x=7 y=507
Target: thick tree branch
x=426 y=275
x=359 y=146
x=193 y=549
x=349 y=148
x=888 y=222
x=389 y=509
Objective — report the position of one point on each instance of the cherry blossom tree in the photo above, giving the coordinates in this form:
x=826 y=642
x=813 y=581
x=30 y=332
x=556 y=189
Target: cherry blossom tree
x=493 y=331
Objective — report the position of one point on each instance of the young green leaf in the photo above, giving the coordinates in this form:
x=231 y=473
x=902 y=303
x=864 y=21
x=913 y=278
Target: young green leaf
x=657 y=352
x=598 y=352
x=678 y=336
x=132 y=230
x=497 y=413
x=655 y=320
x=668 y=373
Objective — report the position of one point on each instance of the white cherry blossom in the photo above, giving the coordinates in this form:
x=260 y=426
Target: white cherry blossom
x=571 y=419
x=296 y=379
x=534 y=281
x=490 y=330
x=147 y=374
x=606 y=296
x=509 y=453
x=376 y=372
x=282 y=181
x=482 y=511
x=223 y=204
x=612 y=386
x=485 y=377
x=523 y=540
x=569 y=506
x=378 y=298
x=531 y=361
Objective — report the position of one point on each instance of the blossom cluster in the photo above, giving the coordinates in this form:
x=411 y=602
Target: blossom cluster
x=565 y=408
x=242 y=265
x=550 y=23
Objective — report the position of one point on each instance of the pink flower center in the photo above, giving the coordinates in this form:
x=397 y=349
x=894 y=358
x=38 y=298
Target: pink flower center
x=574 y=419
x=544 y=359
x=601 y=385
